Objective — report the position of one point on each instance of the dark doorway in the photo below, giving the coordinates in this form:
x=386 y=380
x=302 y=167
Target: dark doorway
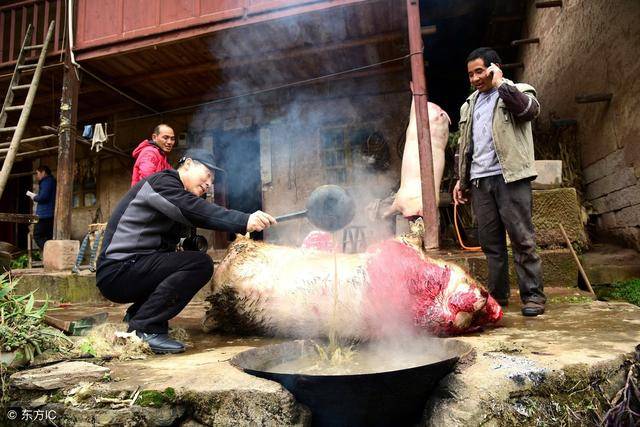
x=238 y=153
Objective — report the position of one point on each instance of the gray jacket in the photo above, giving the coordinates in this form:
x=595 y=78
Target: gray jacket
x=155 y=213
x=512 y=137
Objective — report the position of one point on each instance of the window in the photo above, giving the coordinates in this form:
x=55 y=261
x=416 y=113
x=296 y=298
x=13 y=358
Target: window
x=339 y=151
x=85 y=183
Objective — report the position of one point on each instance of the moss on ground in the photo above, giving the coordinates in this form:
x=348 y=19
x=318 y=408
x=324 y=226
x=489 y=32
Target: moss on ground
x=576 y=397
x=571 y=299
x=628 y=290
x=156 y=398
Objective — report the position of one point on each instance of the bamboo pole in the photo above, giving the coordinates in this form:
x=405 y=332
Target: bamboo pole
x=576 y=259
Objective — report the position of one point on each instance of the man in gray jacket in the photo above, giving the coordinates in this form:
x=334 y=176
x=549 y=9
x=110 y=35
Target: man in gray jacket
x=496 y=167
x=139 y=264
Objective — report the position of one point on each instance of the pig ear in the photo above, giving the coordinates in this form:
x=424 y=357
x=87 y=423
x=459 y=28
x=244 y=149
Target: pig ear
x=444 y=113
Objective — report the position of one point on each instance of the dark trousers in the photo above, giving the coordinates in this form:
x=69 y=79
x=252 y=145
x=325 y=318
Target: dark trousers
x=159 y=286
x=498 y=207
x=43 y=231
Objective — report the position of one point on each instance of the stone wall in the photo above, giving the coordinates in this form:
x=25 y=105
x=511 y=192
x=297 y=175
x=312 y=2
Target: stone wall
x=589 y=47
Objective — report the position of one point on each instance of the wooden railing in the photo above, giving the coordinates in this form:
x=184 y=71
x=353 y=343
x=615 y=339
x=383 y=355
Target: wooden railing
x=16 y=17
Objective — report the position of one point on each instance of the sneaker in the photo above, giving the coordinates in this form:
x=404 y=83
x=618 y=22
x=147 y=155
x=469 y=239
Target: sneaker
x=161 y=343
x=532 y=309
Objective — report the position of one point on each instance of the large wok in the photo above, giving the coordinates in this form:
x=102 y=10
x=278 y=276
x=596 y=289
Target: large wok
x=391 y=398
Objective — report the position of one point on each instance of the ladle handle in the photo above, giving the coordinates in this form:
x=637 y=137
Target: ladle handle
x=290 y=216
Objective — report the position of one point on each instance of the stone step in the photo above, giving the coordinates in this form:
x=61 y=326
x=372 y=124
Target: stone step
x=558 y=267
x=606 y=264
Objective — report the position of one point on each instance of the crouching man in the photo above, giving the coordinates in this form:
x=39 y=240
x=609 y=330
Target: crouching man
x=139 y=264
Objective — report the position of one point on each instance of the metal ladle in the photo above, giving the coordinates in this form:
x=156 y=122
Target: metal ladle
x=329 y=207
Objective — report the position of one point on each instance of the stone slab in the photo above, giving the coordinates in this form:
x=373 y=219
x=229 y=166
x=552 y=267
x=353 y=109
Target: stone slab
x=57 y=376
x=551 y=207
x=218 y=393
x=549 y=174
x=59 y=286
x=569 y=344
x=59 y=255
x=607 y=264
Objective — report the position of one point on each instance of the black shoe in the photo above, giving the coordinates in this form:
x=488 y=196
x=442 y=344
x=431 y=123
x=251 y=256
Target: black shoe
x=532 y=309
x=161 y=343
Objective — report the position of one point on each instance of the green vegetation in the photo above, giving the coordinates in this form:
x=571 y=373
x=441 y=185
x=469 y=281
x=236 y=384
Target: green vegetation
x=21 y=324
x=571 y=299
x=628 y=290
x=22 y=330
x=156 y=398
x=23 y=260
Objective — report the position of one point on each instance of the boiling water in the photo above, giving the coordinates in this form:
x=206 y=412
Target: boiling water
x=336 y=352
x=361 y=361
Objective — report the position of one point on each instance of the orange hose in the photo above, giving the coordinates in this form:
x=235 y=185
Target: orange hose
x=455 y=223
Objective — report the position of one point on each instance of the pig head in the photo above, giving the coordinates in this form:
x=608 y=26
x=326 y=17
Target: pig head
x=408 y=200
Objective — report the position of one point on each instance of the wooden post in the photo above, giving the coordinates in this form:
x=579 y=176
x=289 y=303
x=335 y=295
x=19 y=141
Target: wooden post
x=429 y=207
x=66 y=150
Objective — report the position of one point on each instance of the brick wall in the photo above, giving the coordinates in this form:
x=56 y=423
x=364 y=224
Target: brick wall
x=591 y=47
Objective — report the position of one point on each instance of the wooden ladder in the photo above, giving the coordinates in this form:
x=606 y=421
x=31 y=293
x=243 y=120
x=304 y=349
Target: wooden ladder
x=9 y=150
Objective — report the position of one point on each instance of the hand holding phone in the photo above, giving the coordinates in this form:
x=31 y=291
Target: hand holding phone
x=495 y=73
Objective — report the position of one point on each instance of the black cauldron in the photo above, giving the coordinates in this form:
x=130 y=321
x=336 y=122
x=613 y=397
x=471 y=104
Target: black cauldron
x=388 y=398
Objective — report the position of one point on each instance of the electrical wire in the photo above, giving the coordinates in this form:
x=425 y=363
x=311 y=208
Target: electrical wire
x=455 y=223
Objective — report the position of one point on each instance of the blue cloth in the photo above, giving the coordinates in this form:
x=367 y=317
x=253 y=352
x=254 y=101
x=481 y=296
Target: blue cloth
x=485 y=160
x=46 y=197
x=87 y=132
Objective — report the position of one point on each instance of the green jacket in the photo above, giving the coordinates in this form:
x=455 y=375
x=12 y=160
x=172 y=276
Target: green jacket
x=513 y=140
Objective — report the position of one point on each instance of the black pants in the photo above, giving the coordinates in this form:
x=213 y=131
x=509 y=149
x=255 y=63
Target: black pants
x=498 y=207
x=43 y=231
x=159 y=286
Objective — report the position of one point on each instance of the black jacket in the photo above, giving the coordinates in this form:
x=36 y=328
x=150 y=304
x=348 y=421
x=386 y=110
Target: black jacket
x=155 y=213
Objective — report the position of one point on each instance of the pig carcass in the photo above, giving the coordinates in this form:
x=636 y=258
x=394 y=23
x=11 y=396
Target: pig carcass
x=392 y=288
x=408 y=200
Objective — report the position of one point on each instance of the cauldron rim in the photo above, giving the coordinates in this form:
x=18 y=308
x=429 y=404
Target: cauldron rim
x=463 y=349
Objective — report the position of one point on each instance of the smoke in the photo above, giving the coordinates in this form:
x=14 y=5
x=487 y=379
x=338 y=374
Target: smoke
x=305 y=135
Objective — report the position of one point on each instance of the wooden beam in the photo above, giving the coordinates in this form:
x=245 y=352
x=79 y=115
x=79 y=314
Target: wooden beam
x=189 y=100
x=40 y=152
x=429 y=207
x=66 y=153
x=253 y=60
x=19 y=218
x=525 y=41
x=595 y=97
x=428 y=30
x=512 y=65
x=549 y=3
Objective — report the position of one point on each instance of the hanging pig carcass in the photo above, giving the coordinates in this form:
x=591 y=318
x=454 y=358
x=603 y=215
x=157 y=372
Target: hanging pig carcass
x=390 y=289
x=408 y=199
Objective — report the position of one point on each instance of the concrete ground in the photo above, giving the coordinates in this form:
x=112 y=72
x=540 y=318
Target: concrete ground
x=576 y=342
x=516 y=358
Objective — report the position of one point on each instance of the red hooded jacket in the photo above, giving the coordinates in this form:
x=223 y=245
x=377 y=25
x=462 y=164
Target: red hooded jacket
x=149 y=160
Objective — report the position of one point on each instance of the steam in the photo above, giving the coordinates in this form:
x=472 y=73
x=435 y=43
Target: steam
x=292 y=123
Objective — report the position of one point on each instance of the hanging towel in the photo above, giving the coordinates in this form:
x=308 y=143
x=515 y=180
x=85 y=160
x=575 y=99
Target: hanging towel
x=99 y=136
x=87 y=132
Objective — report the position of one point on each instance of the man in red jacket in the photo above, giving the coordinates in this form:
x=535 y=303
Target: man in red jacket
x=151 y=156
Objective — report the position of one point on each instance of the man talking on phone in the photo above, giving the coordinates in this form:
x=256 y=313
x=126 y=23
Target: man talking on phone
x=496 y=167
